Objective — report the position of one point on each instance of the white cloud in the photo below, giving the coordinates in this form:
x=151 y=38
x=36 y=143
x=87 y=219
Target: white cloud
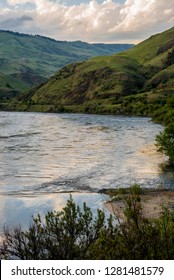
x=17 y=2
x=108 y=21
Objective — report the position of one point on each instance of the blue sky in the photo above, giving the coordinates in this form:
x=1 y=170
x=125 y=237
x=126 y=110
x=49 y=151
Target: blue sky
x=107 y=21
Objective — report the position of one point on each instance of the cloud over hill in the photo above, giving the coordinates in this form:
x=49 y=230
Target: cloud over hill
x=92 y=21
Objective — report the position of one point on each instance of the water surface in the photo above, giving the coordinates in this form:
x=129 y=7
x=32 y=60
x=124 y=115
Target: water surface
x=42 y=155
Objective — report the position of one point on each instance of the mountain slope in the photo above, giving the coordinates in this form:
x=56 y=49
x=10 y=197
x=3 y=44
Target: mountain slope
x=26 y=61
x=138 y=81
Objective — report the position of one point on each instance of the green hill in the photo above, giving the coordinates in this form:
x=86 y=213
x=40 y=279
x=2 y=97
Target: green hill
x=139 y=81
x=26 y=61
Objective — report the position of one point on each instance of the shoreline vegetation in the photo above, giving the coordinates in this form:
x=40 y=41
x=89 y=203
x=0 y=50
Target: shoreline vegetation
x=75 y=234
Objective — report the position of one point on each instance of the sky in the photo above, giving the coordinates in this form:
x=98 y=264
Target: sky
x=93 y=21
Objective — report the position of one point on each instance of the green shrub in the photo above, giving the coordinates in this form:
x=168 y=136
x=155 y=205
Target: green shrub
x=75 y=234
x=165 y=142
x=61 y=235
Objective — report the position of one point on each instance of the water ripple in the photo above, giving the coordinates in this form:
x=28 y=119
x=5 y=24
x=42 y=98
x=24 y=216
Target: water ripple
x=76 y=152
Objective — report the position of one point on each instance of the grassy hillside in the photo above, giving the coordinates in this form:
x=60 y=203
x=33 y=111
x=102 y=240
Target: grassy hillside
x=139 y=81
x=26 y=61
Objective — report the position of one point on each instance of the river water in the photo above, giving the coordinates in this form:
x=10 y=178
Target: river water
x=45 y=156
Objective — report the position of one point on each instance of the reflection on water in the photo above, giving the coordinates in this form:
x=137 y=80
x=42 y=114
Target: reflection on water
x=19 y=209
x=52 y=153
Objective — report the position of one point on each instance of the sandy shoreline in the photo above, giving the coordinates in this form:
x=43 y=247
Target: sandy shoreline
x=152 y=203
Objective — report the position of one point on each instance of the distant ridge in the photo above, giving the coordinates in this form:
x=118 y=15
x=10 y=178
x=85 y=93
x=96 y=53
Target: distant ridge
x=138 y=81
x=28 y=60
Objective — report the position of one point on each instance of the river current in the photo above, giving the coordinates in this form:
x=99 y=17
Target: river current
x=43 y=157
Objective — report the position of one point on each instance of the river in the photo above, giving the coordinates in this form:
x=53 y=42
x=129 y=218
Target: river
x=43 y=157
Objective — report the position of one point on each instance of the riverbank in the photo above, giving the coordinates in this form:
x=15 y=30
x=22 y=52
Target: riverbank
x=153 y=202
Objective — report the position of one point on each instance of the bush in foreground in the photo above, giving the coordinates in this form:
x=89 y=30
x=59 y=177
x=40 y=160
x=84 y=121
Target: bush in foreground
x=75 y=234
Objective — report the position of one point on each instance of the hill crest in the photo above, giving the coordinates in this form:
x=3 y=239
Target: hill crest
x=138 y=81
x=28 y=60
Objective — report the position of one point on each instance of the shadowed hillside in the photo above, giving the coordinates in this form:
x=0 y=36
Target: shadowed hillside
x=26 y=61
x=139 y=81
